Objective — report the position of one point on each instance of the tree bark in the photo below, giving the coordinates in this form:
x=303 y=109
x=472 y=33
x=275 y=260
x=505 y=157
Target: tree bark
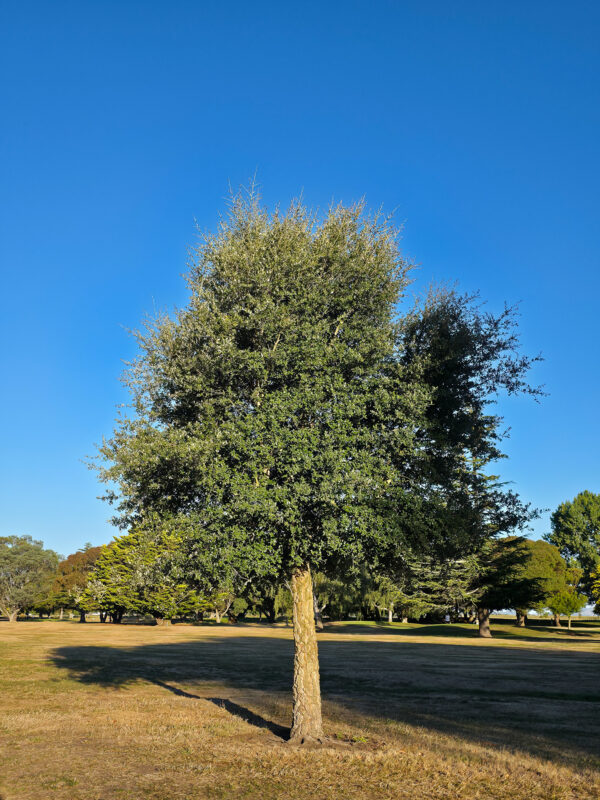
x=103 y=616
x=391 y=614
x=521 y=619
x=60 y=616
x=317 y=613
x=82 y=616
x=557 y=621
x=12 y=615
x=405 y=619
x=569 y=623
x=307 y=724
x=483 y=615
x=267 y=608
x=217 y=616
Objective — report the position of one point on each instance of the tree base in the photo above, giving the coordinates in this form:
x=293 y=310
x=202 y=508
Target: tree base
x=306 y=741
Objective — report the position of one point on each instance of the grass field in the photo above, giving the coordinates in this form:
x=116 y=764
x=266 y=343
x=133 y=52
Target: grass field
x=106 y=712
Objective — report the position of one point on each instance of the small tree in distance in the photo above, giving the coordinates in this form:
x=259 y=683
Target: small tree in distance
x=576 y=533
x=566 y=603
x=72 y=577
x=26 y=574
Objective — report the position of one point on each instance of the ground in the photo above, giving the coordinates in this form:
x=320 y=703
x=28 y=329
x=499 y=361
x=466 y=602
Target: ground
x=132 y=712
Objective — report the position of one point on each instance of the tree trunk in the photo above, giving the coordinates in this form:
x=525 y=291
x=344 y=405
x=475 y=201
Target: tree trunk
x=12 y=615
x=569 y=623
x=103 y=616
x=82 y=616
x=405 y=619
x=391 y=614
x=483 y=615
x=317 y=613
x=217 y=616
x=270 y=613
x=557 y=620
x=307 y=724
x=61 y=613
x=521 y=619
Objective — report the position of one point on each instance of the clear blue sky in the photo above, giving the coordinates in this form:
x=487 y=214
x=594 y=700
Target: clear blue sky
x=123 y=122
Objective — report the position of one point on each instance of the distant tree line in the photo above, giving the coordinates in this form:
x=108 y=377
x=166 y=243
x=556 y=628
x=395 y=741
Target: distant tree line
x=145 y=574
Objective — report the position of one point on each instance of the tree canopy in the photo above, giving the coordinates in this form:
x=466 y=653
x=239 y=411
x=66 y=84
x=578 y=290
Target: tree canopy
x=26 y=573
x=576 y=533
x=290 y=420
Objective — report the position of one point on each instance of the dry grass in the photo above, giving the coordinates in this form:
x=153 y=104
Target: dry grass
x=99 y=712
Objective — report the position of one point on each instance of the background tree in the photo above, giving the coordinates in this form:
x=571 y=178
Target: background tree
x=596 y=591
x=576 y=533
x=72 y=577
x=292 y=423
x=565 y=603
x=26 y=574
x=500 y=582
x=548 y=569
x=143 y=572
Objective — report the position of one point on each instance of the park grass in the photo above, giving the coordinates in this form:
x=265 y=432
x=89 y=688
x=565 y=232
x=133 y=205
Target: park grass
x=104 y=712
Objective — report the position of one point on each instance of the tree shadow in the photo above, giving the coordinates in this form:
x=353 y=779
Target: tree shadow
x=530 y=699
x=234 y=709
x=465 y=631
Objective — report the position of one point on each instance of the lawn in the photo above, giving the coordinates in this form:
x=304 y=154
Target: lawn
x=132 y=712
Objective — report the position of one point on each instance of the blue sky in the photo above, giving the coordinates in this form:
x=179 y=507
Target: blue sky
x=125 y=122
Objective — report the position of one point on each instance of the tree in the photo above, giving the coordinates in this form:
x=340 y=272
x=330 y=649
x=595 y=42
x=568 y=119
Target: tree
x=596 y=591
x=72 y=577
x=576 y=533
x=26 y=573
x=566 y=602
x=547 y=569
x=283 y=415
x=500 y=581
x=143 y=572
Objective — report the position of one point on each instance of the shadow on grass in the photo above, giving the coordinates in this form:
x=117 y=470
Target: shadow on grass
x=542 y=701
x=233 y=708
x=532 y=633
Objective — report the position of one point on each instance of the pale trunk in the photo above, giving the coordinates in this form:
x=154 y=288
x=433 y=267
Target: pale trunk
x=557 y=620
x=217 y=616
x=569 y=623
x=12 y=616
x=391 y=614
x=483 y=615
x=521 y=619
x=307 y=725
x=405 y=619
x=60 y=616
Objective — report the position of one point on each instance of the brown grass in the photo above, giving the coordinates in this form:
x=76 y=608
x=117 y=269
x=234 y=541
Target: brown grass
x=101 y=712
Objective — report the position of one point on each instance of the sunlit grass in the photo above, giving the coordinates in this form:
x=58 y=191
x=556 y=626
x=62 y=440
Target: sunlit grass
x=98 y=712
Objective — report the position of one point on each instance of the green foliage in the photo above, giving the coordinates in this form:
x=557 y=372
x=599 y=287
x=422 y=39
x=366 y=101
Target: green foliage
x=72 y=577
x=502 y=580
x=548 y=571
x=143 y=572
x=26 y=573
x=286 y=418
x=596 y=591
x=576 y=533
x=566 y=602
